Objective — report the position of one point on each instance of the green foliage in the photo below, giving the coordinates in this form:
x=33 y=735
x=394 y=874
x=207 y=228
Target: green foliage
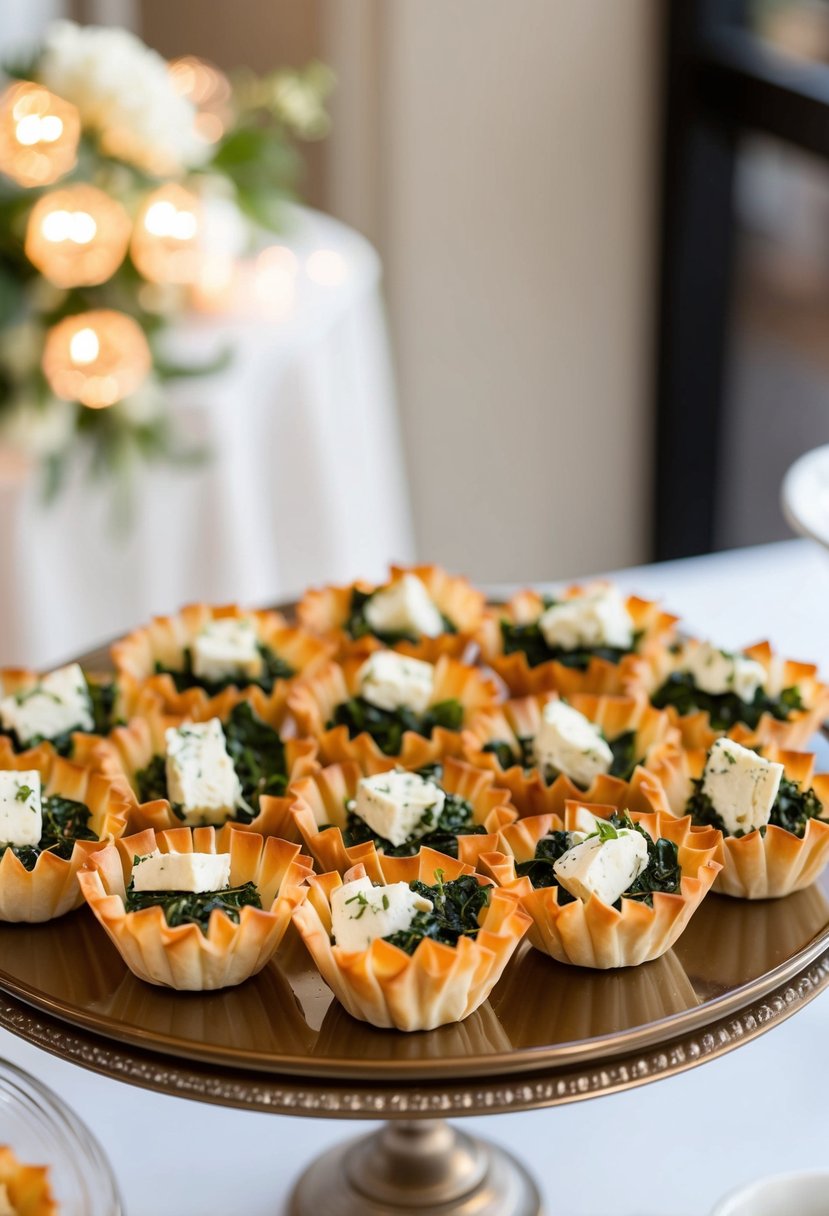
x=456 y=909
x=64 y=822
x=725 y=709
x=186 y=908
x=387 y=726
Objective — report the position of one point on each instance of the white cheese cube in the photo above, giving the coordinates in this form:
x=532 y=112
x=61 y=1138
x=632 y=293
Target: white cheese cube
x=399 y=805
x=21 y=810
x=718 y=671
x=201 y=778
x=404 y=607
x=58 y=703
x=6 y=1208
x=742 y=786
x=393 y=681
x=584 y=822
x=571 y=744
x=227 y=648
x=361 y=912
x=598 y=618
x=194 y=872
x=605 y=868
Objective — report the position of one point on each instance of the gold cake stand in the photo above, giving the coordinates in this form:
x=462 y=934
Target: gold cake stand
x=549 y=1035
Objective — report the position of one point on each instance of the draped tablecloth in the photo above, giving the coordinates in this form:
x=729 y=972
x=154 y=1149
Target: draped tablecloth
x=305 y=484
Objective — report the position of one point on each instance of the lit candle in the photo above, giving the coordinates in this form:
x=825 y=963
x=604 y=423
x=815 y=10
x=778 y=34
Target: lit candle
x=77 y=236
x=165 y=242
x=39 y=135
x=208 y=89
x=96 y=358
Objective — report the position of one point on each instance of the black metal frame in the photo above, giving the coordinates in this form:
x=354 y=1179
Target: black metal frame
x=720 y=82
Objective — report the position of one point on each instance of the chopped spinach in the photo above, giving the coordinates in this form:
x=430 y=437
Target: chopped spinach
x=103 y=695
x=539 y=869
x=456 y=907
x=456 y=819
x=725 y=709
x=624 y=755
x=151 y=781
x=386 y=726
x=529 y=639
x=64 y=822
x=356 y=625
x=273 y=668
x=186 y=908
x=792 y=810
x=504 y=752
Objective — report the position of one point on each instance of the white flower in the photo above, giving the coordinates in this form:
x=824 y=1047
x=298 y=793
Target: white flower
x=38 y=430
x=123 y=91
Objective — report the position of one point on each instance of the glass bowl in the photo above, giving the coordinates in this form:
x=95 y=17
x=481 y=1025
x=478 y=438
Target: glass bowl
x=42 y=1130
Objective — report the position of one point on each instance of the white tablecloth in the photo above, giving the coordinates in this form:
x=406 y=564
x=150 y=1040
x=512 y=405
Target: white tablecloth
x=306 y=483
x=668 y=1149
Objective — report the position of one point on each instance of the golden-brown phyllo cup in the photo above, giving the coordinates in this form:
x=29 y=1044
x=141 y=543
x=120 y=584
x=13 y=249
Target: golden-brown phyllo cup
x=313 y=702
x=321 y=814
x=762 y=864
x=337 y=614
x=493 y=741
x=595 y=934
x=529 y=666
x=159 y=656
x=132 y=754
x=50 y=888
x=434 y=985
x=27 y=1186
x=184 y=956
x=788 y=727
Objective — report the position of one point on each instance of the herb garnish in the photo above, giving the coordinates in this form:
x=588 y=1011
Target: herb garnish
x=455 y=911
x=187 y=908
x=64 y=822
x=792 y=810
x=273 y=668
x=356 y=625
x=386 y=726
x=725 y=708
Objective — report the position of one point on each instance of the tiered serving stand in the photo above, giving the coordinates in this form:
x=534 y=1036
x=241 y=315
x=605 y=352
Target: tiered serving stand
x=550 y=1034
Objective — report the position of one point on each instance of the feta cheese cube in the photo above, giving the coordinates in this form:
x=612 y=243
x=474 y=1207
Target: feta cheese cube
x=604 y=868
x=742 y=786
x=58 y=703
x=227 y=649
x=571 y=744
x=399 y=805
x=394 y=681
x=201 y=778
x=598 y=618
x=21 y=809
x=718 y=671
x=194 y=872
x=404 y=607
x=361 y=912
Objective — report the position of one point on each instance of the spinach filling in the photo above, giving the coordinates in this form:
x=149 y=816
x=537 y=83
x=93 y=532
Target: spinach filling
x=357 y=626
x=64 y=822
x=662 y=873
x=186 y=908
x=623 y=748
x=258 y=756
x=273 y=669
x=529 y=639
x=456 y=819
x=725 y=708
x=456 y=906
x=792 y=810
x=102 y=697
x=386 y=726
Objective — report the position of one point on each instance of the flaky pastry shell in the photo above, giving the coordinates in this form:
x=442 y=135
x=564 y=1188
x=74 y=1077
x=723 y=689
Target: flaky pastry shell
x=756 y=866
x=320 y=799
x=183 y=957
x=51 y=888
x=593 y=934
x=165 y=639
x=656 y=627
x=325 y=610
x=312 y=702
x=435 y=985
x=128 y=749
x=28 y=1187
x=521 y=718
x=648 y=671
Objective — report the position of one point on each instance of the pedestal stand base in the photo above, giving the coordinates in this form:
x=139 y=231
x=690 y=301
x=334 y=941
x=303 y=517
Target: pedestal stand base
x=415 y=1168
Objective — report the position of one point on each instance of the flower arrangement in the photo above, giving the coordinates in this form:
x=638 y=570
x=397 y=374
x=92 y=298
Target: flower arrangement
x=128 y=185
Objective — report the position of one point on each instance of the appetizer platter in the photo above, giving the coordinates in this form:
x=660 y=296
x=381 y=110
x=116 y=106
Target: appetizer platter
x=406 y=850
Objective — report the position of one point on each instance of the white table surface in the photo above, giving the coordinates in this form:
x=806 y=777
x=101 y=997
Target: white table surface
x=668 y=1149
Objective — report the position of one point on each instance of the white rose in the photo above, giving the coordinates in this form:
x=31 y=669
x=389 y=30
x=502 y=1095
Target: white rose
x=38 y=430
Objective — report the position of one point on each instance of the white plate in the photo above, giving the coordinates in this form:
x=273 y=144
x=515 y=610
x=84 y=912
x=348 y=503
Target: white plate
x=805 y=495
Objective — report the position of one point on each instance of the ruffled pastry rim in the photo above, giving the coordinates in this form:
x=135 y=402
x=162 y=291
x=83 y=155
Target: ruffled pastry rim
x=755 y=866
x=29 y=1188
x=312 y=702
x=134 y=656
x=129 y=748
x=320 y=798
x=50 y=889
x=530 y=794
x=183 y=957
x=593 y=934
x=601 y=676
x=435 y=985
x=644 y=673
x=323 y=611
